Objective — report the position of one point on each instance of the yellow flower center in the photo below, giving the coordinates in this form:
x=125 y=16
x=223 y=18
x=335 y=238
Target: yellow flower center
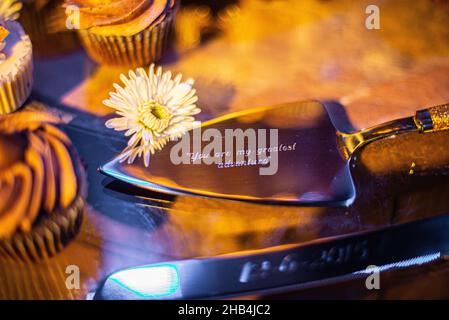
x=159 y=111
x=154 y=116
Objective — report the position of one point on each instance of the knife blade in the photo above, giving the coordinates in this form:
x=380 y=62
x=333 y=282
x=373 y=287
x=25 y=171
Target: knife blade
x=278 y=268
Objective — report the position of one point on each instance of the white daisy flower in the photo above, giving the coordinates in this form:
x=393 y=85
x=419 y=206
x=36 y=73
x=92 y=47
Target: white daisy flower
x=9 y=9
x=153 y=109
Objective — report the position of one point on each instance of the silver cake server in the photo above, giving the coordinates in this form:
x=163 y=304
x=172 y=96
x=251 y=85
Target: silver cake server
x=291 y=154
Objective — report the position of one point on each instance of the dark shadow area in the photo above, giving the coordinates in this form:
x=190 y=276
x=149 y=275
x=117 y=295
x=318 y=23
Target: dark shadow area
x=58 y=75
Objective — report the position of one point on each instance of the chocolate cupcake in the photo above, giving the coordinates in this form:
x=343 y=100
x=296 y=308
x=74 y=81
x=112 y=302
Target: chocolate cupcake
x=16 y=66
x=123 y=32
x=45 y=22
x=42 y=185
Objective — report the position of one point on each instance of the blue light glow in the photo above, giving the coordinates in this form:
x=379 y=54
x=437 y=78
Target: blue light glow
x=155 y=281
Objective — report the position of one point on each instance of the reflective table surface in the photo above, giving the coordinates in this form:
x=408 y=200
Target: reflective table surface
x=377 y=75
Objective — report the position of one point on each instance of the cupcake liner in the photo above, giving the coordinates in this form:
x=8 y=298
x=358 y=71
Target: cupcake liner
x=38 y=25
x=49 y=237
x=15 y=87
x=33 y=21
x=140 y=49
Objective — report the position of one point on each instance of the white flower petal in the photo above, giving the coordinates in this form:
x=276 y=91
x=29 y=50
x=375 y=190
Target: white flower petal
x=177 y=79
x=134 y=140
x=178 y=94
x=146 y=157
x=133 y=155
x=124 y=155
x=118 y=124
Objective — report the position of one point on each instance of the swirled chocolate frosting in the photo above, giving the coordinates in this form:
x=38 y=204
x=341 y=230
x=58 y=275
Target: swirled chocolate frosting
x=37 y=176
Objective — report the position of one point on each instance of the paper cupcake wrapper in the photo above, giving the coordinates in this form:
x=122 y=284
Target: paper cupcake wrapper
x=34 y=22
x=45 y=40
x=49 y=237
x=15 y=88
x=141 y=49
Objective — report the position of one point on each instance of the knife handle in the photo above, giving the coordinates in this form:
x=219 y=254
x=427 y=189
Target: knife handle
x=433 y=119
x=427 y=120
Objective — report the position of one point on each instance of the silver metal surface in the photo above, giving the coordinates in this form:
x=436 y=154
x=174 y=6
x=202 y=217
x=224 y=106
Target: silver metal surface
x=310 y=171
